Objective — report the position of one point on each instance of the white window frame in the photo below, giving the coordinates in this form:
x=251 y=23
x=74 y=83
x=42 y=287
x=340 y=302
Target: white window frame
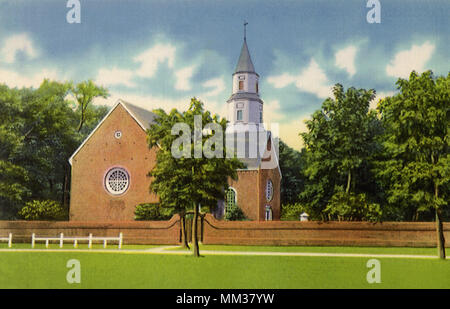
x=107 y=185
x=239 y=111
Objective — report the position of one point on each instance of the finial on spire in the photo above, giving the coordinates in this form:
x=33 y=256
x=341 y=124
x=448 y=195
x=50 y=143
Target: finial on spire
x=245 y=30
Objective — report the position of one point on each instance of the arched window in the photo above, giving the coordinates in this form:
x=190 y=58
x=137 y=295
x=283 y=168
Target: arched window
x=269 y=190
x=230 y=199
x=268 y=213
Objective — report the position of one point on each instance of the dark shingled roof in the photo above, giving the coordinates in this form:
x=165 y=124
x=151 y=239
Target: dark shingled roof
x=245 y=63
x=145 y=117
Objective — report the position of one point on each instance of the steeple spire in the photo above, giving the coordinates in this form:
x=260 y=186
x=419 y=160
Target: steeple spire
x=245 y=30
x=245 y=63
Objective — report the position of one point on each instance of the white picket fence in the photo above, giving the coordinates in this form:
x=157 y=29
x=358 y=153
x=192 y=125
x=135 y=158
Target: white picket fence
x=8 y=239
x=90 y=239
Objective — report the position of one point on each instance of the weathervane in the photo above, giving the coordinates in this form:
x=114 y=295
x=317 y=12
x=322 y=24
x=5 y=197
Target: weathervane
x=245 y=30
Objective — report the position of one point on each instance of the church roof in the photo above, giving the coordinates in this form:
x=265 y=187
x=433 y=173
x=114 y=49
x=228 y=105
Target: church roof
x=143 y=117
x=245 y=63
x=245 y=95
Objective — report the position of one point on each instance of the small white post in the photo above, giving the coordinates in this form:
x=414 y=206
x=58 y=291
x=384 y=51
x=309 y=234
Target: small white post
x=120 y=240
x=32 y=240
x=90 y=241
x=61 y=240
x=10 y=240
x=75 y=243
x=104 y=243
x=46 y=243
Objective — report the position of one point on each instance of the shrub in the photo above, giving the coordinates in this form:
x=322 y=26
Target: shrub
x=235 y=214
x=42 y=210
x=152 y=212
x=292 y=212
x=352 y=207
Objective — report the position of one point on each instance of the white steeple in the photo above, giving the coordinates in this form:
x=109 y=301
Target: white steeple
x=245 y=106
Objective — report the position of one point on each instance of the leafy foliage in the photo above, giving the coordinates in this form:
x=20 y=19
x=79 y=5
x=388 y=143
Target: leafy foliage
x=152 y=211
x=181 y=182
x=291 y=166
x=84 y=93
x=339 y=143
x=352 y=207
x=416 y=165
x=43 y=210
x=292 y=212
x=235 y=213
x=38 y=133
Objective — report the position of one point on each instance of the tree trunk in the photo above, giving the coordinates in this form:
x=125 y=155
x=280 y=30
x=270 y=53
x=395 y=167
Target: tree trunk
x=439 y=227
x=440 y=235
x=349 y=179
x=184 y=242
x=194 y=231
x=65 y=188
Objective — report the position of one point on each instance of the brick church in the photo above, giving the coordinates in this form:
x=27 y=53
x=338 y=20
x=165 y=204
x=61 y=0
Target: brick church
x=109 y=169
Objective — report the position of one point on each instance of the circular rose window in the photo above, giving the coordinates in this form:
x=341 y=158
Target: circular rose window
x=117 y=181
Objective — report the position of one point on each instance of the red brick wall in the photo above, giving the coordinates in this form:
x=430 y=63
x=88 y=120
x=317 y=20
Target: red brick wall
x=135 y=232
x=89 y=199
x=400 y=234
x=408 y=234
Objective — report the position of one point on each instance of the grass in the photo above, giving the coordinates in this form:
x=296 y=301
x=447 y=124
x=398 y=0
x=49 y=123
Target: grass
x=134 y=270
x=325 y=249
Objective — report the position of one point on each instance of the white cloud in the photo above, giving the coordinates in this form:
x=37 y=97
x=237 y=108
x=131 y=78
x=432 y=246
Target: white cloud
x=15 y=79
x=115 y=76
x=18 y=43
x=152 y=57
x=183 y=78
x=345 y=59
x=408 y=60
x=217 y=86
x=282 y=80
x=312 y=79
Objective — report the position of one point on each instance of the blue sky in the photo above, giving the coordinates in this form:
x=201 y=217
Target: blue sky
x=160 y=53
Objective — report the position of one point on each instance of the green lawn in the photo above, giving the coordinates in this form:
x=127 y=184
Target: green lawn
x=135 y=270
x=327 y=249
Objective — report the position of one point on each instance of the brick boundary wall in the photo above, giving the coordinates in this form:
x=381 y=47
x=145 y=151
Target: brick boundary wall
x=312 y=233
x=213 y=231
x=134 y=232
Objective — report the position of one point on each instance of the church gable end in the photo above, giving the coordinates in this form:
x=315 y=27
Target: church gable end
x=109 y=170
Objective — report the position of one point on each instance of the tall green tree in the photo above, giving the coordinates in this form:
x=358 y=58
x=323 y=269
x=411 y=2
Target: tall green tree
x=291 y=165
x=85 y=92
x=38 y=133
x=416 y=140
x=339 y=142
x=190 y=180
